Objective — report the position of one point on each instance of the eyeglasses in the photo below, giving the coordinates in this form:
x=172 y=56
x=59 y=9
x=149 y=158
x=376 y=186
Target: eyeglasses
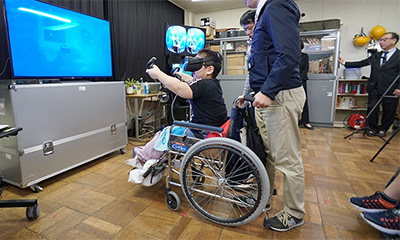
x=384 y=39
x=249 y=28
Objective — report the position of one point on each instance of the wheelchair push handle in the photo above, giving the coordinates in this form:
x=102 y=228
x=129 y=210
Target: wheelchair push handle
x=249 y=98
x=241 y=101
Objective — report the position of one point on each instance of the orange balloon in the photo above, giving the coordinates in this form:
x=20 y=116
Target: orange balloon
x=377 y=32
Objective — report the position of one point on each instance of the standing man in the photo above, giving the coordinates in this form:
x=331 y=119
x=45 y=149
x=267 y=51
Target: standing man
x=385 y=67
x=247 y=22
x=279 y=100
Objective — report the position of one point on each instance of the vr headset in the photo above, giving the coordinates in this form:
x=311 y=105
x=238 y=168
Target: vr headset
x=193 y=64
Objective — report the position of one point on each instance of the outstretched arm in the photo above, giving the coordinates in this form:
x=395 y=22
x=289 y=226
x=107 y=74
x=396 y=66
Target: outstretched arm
x=181 y=89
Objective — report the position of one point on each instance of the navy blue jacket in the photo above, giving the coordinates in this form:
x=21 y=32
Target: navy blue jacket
x=275 y=50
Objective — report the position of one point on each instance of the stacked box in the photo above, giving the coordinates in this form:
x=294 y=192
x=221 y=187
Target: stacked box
x=236 y=64
x=236 y=59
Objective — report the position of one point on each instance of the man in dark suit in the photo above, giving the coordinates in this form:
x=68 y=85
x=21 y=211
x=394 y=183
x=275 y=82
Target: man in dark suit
x=385 y=67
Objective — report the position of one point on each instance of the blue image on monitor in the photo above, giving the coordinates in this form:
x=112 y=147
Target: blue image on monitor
x=195 y=40
x=175 y=39
x=50 y=41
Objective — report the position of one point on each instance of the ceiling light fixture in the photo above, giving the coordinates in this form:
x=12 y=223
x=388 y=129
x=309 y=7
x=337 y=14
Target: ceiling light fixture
x=196 y=0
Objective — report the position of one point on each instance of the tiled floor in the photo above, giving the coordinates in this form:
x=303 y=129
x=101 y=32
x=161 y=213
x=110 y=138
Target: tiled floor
x=95 y=201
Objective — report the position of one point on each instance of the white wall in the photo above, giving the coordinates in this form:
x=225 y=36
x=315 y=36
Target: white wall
x=353 y=14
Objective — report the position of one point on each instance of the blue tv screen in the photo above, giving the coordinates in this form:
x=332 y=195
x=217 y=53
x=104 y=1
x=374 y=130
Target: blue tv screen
x=49 y=41
x=184 y=40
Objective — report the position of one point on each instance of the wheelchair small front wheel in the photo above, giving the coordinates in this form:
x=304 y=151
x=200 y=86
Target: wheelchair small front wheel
x=173 y=201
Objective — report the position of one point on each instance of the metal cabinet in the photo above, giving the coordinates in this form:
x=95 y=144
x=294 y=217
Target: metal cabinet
x=322 y=48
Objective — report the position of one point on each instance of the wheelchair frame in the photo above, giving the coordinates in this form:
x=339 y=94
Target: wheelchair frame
x=222 y=179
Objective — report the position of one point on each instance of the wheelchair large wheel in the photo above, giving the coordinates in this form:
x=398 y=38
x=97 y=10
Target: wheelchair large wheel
x=234 y=185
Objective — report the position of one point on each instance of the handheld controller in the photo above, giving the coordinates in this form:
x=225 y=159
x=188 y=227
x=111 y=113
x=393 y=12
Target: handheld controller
x=174 y=71
x=151 y=62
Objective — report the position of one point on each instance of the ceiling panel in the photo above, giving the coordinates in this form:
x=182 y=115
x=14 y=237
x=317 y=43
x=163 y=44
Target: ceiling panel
x=205 y=6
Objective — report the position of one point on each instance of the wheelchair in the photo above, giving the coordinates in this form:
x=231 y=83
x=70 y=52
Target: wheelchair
x=221 y=178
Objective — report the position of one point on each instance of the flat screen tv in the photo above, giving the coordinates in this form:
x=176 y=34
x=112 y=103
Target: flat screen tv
x=47 y=41
x=184 y=40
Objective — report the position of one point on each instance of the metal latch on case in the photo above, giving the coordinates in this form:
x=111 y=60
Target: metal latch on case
x=48 y=148
x=113 y=129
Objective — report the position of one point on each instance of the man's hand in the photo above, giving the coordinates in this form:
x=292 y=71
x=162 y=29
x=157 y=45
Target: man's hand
x=341 y=60
x=240 y=101
x=261 y=100
x=396 y=92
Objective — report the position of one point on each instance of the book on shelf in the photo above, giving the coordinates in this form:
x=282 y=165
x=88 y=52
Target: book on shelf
x=345 y=102
x=352 y=88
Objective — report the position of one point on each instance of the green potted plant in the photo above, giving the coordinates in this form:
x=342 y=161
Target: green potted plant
x=129 y=85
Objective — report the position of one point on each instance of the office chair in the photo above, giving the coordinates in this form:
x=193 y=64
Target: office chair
x=32 y=206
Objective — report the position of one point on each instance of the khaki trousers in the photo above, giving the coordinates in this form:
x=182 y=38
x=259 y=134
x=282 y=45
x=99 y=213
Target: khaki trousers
x=279 y=130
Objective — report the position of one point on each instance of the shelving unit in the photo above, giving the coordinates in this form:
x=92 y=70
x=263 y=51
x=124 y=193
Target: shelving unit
x=234 y=70
x=351 y=97
x=233 y=51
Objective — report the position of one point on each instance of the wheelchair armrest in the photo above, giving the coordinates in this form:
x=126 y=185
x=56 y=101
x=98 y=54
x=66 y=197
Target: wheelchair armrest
x=198 y=126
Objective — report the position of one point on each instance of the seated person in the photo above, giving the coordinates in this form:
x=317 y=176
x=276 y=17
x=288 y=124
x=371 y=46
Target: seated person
x=203 y=91
x=382 y=209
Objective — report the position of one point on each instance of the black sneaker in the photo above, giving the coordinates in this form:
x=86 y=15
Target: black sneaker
x=387 y=221
x=373 y=203
x=282 y=222
x=381 y=133
x=371 y=133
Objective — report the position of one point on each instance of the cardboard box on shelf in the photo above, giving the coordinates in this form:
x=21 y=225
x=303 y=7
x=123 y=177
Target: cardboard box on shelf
x=216 y=48
x=328 y=43
x=237 y=59
x=210 y=31
x=236 y=70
